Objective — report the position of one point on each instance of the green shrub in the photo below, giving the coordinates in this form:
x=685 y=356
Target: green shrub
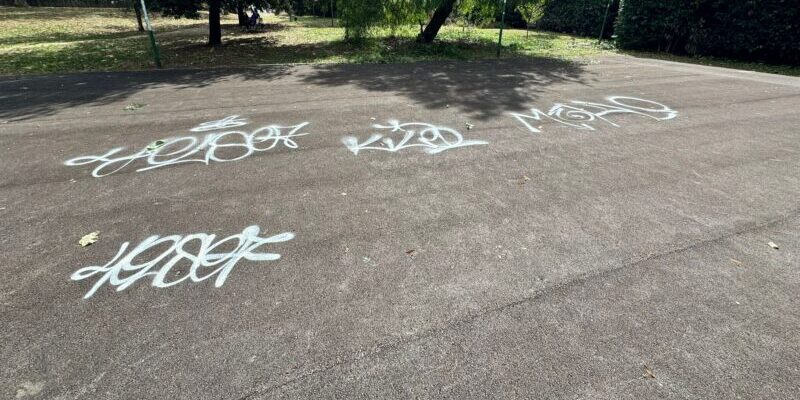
x=480 y=13
x=753 y=30
x=531 y=11
x=653 y=24
x=581 y=17
x=764 y=30
x=358 y=16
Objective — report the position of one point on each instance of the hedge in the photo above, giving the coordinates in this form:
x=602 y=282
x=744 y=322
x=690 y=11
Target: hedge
x=753 y=30
x=653 y=24
x=580 y=17
x=766 y=30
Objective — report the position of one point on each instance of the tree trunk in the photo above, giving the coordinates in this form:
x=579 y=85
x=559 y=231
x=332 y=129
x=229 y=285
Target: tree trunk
x=437 y=20
x=137 y=9
x=214 y=28
x=241 y=14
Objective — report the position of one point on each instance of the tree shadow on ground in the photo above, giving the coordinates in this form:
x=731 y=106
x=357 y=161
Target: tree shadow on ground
x=264 y=28
x=23 y=98
x=33 y=14
x=306 y=21
x=62 y=37
x=482 y=89
x=68 y=24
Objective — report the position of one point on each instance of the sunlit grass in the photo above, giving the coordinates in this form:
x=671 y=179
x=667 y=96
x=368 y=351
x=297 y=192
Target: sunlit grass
x=60 y=24
x=43 y=40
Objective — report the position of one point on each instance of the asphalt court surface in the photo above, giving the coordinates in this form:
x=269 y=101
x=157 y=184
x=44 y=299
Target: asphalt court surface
x=500 y=229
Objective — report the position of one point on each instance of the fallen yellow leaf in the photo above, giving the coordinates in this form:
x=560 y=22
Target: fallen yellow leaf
x=89 y=239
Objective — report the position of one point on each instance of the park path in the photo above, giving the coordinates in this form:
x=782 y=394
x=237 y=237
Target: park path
x=515 y=228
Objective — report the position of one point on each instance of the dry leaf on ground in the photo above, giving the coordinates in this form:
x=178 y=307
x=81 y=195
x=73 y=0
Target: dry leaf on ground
x=89 y=239
x=155 y=145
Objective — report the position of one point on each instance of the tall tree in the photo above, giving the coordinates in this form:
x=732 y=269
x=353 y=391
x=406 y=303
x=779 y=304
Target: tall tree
x=531 y=11
x=214 y=27
x=437 y=20
x=191 y=8
x=138 y=10
x=241 y=14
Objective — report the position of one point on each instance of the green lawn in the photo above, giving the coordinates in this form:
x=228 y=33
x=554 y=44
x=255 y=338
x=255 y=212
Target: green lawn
x=42 y=40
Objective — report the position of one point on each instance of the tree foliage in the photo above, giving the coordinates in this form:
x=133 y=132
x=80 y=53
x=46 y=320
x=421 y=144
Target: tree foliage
x=179 y=8
x=581 y=17
x=476 y=12
x=359 y=16
x=531 y=10
x=191 y=9
x=763 y=30
x=653 y=25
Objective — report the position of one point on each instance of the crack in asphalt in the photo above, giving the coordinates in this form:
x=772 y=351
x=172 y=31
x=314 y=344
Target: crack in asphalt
x=577 y=280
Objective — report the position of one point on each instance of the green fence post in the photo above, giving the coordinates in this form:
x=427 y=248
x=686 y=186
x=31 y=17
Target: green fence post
x=605 y=19
x=502 y=25
x=153 y=46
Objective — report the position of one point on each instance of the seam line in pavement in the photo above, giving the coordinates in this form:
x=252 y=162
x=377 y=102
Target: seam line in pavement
x=577 y=280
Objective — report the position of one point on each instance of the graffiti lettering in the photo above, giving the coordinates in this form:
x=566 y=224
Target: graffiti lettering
x=204 y=150
x=162 y=254
x=581 y=114
x=229 y=122
x=433 y=139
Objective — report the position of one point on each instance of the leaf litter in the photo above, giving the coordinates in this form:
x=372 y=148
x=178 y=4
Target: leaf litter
x=89 y=239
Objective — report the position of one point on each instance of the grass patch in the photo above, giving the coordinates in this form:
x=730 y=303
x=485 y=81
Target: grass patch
x=47 y=40
x=721 y=62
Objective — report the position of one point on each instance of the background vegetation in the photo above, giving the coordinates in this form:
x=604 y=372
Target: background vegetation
x=762 y=30
x=581 y=17
x=41 y=40
x=716 y=32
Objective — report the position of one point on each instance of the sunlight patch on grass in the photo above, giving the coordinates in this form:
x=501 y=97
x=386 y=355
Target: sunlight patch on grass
x=44 y=40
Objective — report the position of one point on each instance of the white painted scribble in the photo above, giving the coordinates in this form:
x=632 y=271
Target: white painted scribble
x=581 y=114
x=200 y=250
x=433 y=139
x=204 y=149
x=228 y=122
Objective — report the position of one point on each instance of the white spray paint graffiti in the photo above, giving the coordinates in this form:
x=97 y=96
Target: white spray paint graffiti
x=192 y=149
x=580 y=114
x=229 y=122
x=433 y=139
x=218 y=263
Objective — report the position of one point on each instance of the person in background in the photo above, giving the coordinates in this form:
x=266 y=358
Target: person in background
x=254 y=17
